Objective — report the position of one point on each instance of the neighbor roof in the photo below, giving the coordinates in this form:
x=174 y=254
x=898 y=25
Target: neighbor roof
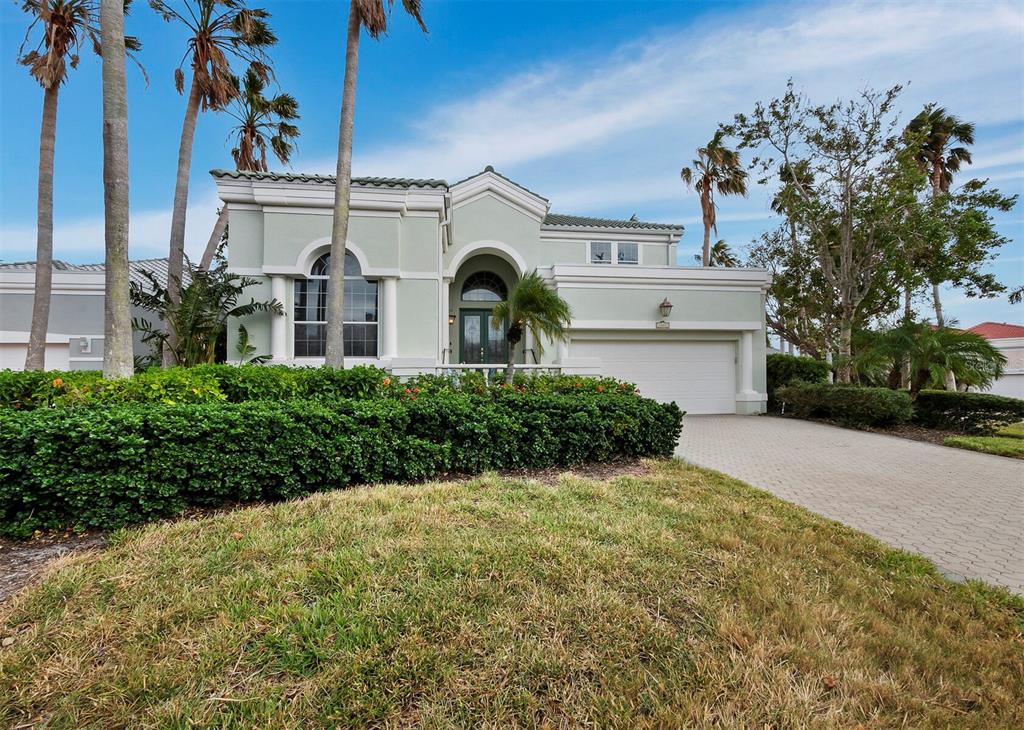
x=582 y=221
x=156 y=267
x=378 y=182
x=997 y=330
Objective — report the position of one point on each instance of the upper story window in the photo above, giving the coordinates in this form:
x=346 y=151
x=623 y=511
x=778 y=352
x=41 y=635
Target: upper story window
x=607 y=252
x=484 y=286
x=310 y=314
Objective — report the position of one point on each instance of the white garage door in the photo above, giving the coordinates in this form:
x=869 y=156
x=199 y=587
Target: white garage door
x=699 y=376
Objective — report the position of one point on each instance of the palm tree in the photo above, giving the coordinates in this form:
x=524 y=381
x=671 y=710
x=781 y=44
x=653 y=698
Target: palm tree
x=262 y=123
x=218 y=30
x=938 y=131
x=65 y=25
x=716 y=168
x=372 y=15
x=931 y=354
x=531 y=306
x=117 y=327
x=721 y=255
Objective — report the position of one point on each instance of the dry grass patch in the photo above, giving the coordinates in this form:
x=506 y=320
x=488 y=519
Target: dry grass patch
x=676 y=597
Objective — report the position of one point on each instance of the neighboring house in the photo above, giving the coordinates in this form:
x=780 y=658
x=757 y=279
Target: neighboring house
x=427 y=261
x=75 y=337
x=1009 y=340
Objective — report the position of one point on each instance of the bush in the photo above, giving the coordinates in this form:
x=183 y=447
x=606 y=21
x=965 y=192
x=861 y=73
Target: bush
x=977 y=413
x=110 y=465
x=788 y=369
x=28 y=389
x=846 y=404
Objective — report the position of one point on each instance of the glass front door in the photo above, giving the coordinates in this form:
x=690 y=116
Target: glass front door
x=480 y=341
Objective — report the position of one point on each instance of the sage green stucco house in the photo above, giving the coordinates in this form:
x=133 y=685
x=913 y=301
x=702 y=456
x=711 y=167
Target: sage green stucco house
x=427 y=260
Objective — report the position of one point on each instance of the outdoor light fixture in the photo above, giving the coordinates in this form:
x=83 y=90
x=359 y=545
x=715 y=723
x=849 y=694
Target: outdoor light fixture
x=665 y=307
x=451 y=317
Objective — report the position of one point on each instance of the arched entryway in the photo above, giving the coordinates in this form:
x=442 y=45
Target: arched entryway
x=480 y=282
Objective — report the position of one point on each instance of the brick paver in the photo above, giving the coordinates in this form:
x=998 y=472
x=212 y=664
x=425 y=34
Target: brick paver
x=961 y=509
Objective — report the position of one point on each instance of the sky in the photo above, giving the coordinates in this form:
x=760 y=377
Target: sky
x=595 y=105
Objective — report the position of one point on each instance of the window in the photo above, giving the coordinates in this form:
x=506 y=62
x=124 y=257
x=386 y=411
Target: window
x=628 y=253
x=360 y=319
x=607 y=252
x=600 y=252
x=484 y=286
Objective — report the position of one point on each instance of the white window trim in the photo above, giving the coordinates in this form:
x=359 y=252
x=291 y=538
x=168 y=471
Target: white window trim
x=320 y=277
x=614 y=254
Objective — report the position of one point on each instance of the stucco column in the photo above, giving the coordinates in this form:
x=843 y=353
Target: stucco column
x=389 y=295
x=279 y=322
x=747 y=361
x=444 y=329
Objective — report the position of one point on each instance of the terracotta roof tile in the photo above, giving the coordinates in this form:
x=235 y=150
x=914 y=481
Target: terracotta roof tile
x=997 y=330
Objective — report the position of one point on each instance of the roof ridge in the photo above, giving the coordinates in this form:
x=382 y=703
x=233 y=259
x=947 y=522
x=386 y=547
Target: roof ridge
x=392 y=182
x=490 y=169
x=583 y=221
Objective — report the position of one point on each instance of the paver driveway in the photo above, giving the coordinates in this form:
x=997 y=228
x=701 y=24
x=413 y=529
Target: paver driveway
x=961 y=509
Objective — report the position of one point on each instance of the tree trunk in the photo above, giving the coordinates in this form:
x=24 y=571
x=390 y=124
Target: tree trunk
x=117 y=325
x=908 y=316
x=515 y=334
x=940 y=320
x=936 y=178
x=845 y=349
x=335 y=355
x=215 y=236
x=35 y=355
x=706 y=257
x=176 y=252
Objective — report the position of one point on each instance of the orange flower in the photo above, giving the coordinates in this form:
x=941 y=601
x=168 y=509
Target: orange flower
x=415 y=390
x=407 y=391
x=600 y=389
x=57 y=382
x=387 y=382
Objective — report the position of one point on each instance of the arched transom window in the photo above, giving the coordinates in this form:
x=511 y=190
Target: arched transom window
x=360 y=323
x=484 y=286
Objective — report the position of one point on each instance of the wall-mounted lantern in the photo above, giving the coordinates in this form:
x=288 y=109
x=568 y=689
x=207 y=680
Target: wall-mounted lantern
x=451 y=318
x=665 y=307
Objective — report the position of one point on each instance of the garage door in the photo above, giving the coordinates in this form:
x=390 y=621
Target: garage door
x=699 y=376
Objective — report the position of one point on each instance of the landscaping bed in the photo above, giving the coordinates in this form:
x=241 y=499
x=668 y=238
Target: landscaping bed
x=679 y=597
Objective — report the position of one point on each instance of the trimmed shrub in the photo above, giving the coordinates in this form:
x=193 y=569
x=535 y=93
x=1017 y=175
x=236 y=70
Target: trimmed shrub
x=849 y=405
x=977 y=413
x=28 y=389
x=110 y=465
x=788 y=369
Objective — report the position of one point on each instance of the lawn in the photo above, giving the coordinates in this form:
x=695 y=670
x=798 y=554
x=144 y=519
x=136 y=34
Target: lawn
x=671 y=597
x=999 y=445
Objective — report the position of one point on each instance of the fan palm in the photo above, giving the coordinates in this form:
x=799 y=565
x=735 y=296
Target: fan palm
x=721 y=255
x=939 y=130
x=64 y=26
x=716 y=169
x=372 y=15
x=931 y=354
x=531 y=307
x=217 y=31
x=262 y=122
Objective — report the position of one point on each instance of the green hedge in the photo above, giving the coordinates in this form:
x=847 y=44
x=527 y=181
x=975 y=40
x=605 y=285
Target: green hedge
x=978 y=413
x=112 y=465
x=788 y=369
x=233 y=384
x=846 y=404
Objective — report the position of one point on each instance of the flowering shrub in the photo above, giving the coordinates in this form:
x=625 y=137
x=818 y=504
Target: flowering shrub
x=110 y=465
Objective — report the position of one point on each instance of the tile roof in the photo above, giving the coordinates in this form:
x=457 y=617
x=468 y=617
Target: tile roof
x=376 y=182
x=997 y=330
x=581 y=221
x=509 y=180
x=156 y=267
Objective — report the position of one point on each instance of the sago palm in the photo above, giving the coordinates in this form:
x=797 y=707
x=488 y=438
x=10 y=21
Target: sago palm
x=716 y=169
x=218 y=30
x=531 y=307
x=261 y=123
x=372 y=15
x=63 y=27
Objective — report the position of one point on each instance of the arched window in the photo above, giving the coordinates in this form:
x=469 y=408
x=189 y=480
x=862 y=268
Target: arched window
x=360 y=323
x=484 y=286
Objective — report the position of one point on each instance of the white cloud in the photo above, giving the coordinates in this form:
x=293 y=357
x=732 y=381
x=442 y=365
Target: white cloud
x=81 y=240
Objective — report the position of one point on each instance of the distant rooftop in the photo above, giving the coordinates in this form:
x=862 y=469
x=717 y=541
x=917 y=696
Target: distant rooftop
x=997 y=330
x=582 y=221
x=156 y=267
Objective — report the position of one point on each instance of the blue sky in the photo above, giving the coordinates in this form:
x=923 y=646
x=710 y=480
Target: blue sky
x=596 y=105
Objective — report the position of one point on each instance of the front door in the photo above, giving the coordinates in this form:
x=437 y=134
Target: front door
x=479 y=340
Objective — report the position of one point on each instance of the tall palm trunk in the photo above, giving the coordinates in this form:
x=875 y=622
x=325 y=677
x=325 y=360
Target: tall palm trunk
x=940 y=318
x=335 y=354
x=35 y=356
x=215 y=236
x=117 y=325
x=706 y=252
x=515 y=334
x=176 y=253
